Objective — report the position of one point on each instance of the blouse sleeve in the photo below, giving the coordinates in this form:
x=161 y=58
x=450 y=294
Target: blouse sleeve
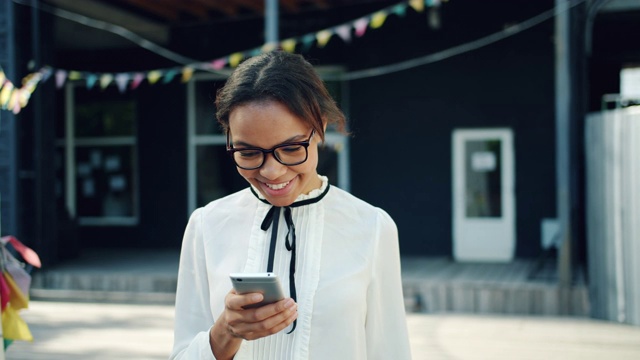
x=386 y=329
x=193 y=318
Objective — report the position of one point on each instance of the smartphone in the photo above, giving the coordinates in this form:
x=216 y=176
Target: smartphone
x=267 y=284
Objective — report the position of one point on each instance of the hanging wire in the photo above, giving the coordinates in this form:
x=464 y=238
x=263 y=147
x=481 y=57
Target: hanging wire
x=456 y=50
x=117 y=30
x=353 y=75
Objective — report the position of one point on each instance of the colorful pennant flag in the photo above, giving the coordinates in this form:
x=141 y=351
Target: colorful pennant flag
x=105 y=80
x=323 y=37
x=378 y=19
x=218 y=64
x=361 y=26
x=122 y=80
x=13 y=327
x=187 y=74
x=344 y=31
x=153 y=76
x=12 y=98
x=137 y=79
x=14 y=289
x=235 y=59
x=289 y=45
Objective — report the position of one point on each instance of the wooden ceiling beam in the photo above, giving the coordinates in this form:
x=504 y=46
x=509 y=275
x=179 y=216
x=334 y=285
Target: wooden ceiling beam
x=290 y=5
x=253 y=5
x=194 y=8
x=224 y=7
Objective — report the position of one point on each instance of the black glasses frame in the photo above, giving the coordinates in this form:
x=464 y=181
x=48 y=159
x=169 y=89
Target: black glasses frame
x=231 y=150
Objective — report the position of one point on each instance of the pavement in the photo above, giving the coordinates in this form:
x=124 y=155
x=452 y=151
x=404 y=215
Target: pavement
x=71 y=331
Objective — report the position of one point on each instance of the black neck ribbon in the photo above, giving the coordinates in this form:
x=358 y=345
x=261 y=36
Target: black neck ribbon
x=272 y=218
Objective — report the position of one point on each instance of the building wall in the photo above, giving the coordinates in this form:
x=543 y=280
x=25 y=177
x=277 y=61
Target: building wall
x=507 y=84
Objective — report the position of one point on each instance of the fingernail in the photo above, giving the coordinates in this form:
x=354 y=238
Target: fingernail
x=289 y=303
x=256 y=297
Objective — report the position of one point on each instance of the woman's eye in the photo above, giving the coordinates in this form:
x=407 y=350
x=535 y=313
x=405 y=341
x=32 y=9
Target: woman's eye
x=249 y=153
x=291 y=149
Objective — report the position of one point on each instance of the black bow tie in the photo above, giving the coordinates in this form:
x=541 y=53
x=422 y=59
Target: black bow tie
x=273 y=217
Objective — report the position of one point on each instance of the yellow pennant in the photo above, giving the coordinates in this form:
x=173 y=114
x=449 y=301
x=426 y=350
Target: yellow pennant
x=289 y=45
x=74 y=75
x=23 y=97
x=378 y=19
x=323 y=37
x=13 y=327
x=13 y=100
x=153 y=76
x=17 y=299
x=187 y=74
x=234 y=59
x=417 y=5
x=105 y=80
x=5 y=94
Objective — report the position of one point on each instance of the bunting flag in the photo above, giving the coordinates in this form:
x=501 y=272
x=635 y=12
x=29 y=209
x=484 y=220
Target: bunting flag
x=235 y=59
x=14 y=99
x=153 y=76
x=187 y=74
x=14 y=289
x=137 y=79
x=121 y=82
x=289 y=45
x=323 y=37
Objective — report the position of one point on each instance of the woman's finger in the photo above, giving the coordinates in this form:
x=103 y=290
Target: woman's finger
x=257 y=323
x=237 y=302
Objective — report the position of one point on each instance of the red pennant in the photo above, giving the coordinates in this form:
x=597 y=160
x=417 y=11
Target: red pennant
x=27 y=254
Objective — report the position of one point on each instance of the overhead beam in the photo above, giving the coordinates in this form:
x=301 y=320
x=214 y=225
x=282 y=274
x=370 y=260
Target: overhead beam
x=621 y=5
x=144 y=27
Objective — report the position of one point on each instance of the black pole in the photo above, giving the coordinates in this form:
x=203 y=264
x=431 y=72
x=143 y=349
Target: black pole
x=44 y=241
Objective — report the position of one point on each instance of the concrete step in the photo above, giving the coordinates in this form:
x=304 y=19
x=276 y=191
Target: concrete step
x=430 y=285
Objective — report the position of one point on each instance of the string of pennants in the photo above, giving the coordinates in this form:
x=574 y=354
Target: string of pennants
x=14 y=99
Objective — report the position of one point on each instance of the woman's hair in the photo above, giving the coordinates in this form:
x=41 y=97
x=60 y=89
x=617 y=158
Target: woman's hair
x=283 y=77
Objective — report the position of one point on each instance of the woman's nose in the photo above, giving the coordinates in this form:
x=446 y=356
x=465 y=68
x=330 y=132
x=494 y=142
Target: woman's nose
x=272 y=169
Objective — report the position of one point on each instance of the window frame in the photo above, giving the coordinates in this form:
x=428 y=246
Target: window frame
x=69 y=143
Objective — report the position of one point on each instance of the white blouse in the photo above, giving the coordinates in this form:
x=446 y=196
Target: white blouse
x=349 y=291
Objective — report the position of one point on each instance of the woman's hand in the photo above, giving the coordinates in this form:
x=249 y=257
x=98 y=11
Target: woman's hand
x=236 y=323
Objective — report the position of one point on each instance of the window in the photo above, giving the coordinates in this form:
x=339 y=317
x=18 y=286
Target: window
x=100 y=158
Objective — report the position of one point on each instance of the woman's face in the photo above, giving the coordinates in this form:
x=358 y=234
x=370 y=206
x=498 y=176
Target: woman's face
x=266 y=124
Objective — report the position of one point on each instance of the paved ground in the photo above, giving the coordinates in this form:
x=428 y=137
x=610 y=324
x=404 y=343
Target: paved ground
x=72 y=331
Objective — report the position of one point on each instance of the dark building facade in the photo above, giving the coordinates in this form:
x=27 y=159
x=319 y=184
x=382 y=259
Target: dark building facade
x=87 y=167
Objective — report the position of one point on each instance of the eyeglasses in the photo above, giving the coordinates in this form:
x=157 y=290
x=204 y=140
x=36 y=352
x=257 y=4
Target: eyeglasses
x=289 y=154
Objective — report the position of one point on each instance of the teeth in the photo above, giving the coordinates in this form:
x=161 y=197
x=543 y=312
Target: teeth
x=277 y=186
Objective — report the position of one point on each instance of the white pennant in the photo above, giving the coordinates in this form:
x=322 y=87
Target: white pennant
x=344 y=31
x=121 y=81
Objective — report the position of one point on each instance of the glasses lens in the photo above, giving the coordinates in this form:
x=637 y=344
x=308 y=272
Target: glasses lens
x=291 y=154
x=248 y=158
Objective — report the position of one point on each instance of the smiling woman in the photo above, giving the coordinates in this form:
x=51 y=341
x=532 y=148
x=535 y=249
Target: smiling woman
x=338 y=255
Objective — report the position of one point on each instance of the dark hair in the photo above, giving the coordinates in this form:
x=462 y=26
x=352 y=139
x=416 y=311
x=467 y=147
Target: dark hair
x=283 y=77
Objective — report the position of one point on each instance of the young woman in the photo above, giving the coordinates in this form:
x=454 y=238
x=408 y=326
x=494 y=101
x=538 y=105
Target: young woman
x=336 y=255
